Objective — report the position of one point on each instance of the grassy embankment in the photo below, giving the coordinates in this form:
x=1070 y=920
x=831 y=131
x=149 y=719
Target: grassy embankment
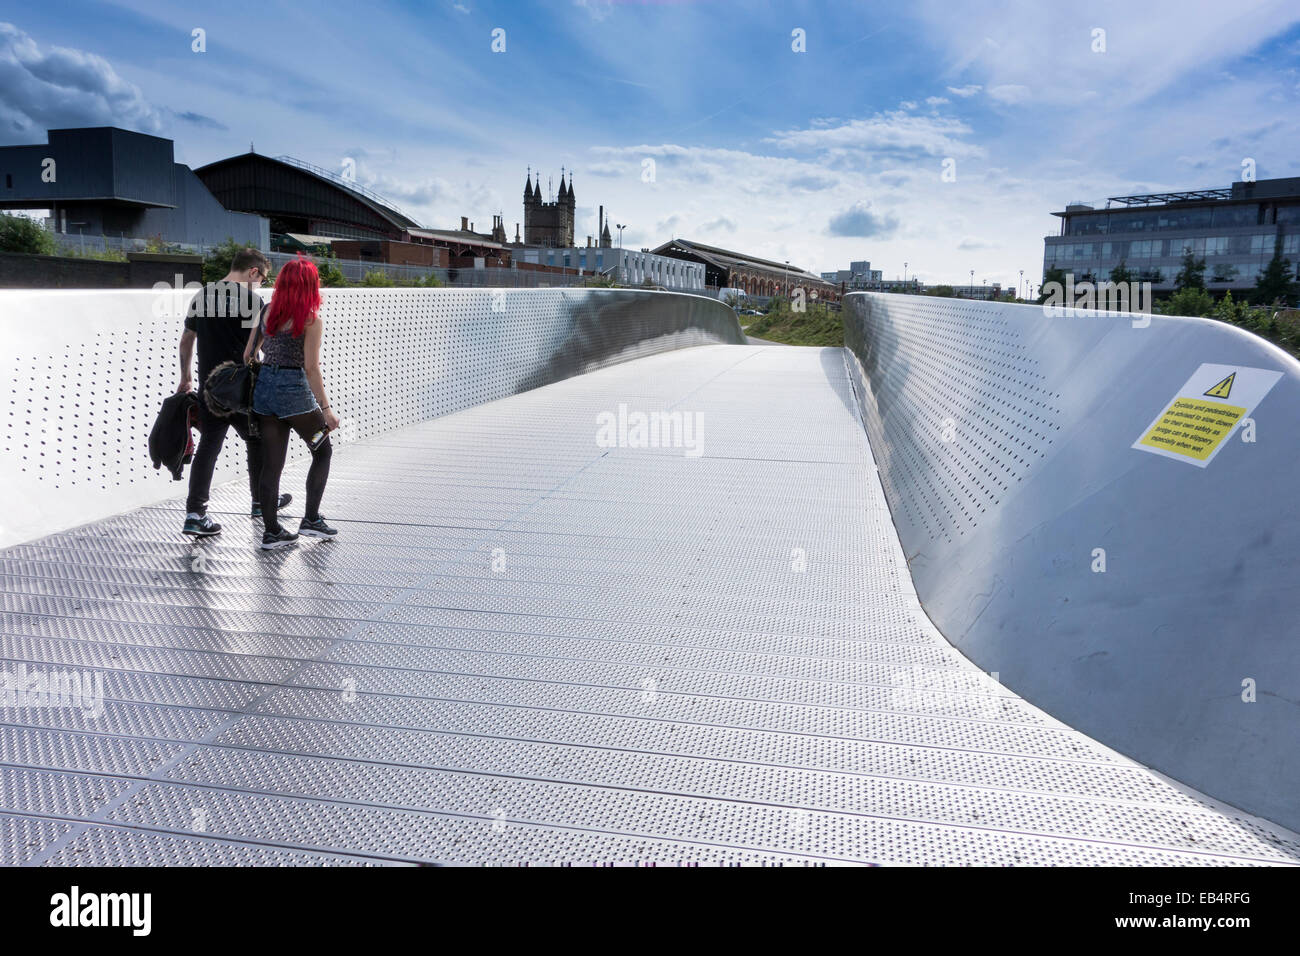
x=816 y=325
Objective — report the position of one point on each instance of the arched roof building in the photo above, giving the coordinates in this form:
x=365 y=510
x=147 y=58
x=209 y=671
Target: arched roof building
x=300 y=198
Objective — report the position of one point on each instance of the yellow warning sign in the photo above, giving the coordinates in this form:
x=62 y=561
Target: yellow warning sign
x=1223 y=389
x=1195 y=424
x=1193 y=428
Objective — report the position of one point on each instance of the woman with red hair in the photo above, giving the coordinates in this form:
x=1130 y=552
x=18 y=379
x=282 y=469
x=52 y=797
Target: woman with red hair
x=290 y=396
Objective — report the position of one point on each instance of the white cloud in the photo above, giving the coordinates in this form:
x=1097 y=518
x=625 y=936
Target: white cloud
x=1009 y=93
x=61 y=87
x=597 y=9
x=936 y=100
x=1048 y=49
x=965 y=91
x=668 y=225
x=894 y=132
x=860 y=222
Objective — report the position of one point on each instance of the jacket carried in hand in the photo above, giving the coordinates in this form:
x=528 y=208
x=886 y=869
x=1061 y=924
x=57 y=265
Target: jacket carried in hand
x=170 y=441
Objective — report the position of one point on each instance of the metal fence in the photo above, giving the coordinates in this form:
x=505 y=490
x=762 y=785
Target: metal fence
x=92 y=245
x=354 y=270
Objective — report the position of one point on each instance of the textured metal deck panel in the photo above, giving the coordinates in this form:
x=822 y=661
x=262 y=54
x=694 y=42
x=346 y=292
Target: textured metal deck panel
x=528 y=648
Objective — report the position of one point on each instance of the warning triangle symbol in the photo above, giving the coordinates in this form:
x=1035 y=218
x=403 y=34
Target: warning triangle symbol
x=1223 y=388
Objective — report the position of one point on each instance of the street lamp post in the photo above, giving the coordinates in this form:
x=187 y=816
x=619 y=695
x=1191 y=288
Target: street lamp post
x=972 y=282
x=1020 y=286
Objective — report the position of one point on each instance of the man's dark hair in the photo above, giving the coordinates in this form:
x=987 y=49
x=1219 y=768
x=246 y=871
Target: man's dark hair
x=246 y=259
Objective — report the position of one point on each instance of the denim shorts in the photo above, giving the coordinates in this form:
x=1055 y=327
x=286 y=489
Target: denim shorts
x=283 y=392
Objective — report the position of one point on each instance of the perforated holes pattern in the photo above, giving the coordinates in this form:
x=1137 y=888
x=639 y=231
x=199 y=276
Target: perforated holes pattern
x=964 y=411
x=79 y=417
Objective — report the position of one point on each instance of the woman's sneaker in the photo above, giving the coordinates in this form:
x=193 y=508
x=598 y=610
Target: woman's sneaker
x=278 y=539
x=200 y=526
x=284 y=503
x=317 y=528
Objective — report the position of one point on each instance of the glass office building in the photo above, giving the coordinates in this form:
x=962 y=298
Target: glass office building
x=1235 y=231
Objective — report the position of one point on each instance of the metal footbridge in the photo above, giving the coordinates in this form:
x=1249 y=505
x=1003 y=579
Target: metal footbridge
x=534 y=645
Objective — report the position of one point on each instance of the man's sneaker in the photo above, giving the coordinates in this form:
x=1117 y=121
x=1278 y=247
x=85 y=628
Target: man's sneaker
x=200 y=526
x=278 y=539
x=284 y=503
x=317 y=528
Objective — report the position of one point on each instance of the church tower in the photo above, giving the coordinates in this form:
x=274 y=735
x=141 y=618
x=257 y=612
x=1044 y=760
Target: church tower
x=530 y=197
x=549 y=223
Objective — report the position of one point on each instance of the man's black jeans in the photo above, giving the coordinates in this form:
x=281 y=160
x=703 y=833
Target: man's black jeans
x=212 y=435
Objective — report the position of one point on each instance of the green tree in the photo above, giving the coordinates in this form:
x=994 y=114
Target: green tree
x=1192 y=274
x=1224 y=273
x=1122 y=273
x=1055 y=274
x=1286 y=329
x=1277 y=282
x=158 y=245
x=943 y=291
x=331 y=276
x=20 y=234
x=1229 y=310
x=1189 y=301
x=216 y=261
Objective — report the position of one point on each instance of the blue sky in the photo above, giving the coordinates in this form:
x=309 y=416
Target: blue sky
x=822 y=156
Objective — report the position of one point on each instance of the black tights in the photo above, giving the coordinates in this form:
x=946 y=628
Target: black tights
x=275 y=446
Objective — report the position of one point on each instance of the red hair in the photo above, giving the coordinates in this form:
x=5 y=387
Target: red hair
x=296 y=298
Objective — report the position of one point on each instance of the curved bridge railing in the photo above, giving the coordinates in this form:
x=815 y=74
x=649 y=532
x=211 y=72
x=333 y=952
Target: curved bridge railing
x=86 y=371
x=1102 y=509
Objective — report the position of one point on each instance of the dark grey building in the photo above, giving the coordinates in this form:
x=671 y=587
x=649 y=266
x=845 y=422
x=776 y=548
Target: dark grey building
x=1234 y=229
x=299 y=198
x=105 y=181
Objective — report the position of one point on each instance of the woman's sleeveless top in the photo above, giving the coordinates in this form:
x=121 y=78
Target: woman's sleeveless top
x=281 y=348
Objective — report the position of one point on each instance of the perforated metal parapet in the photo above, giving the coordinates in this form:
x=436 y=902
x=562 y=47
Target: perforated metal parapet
x=529 y=645
x=1145 y=600
x=968 y=370
x=86 y=371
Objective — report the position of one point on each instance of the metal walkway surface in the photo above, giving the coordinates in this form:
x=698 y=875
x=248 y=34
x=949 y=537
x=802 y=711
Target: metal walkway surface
x=528 y=648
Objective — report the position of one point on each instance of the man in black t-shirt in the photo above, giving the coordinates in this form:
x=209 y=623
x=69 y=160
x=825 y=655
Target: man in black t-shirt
x=219 y=319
